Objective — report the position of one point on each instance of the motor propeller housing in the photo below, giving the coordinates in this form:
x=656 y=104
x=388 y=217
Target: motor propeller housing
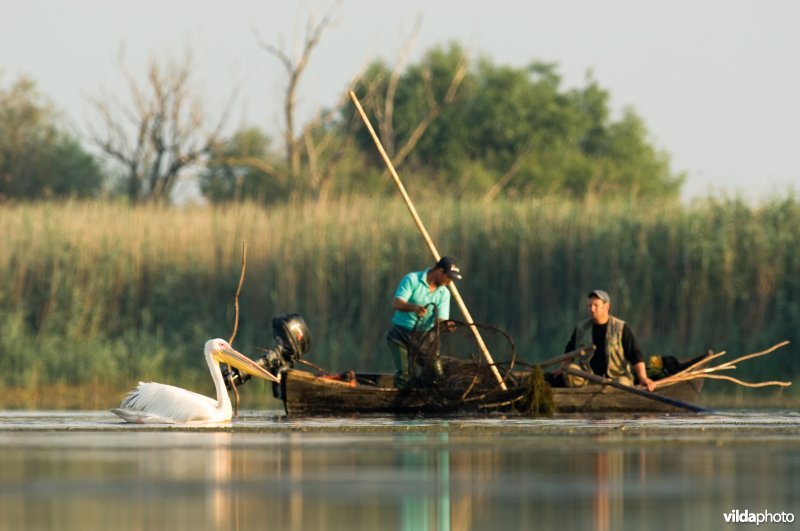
x=293 y=340
x=292 y=335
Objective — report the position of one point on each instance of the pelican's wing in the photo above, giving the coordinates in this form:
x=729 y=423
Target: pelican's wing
x=159 y=403
x=139 y=417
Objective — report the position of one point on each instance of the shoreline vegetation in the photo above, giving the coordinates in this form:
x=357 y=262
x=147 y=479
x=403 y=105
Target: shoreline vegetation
x=97 y=296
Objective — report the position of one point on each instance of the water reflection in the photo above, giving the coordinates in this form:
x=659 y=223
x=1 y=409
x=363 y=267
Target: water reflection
x=293 y=480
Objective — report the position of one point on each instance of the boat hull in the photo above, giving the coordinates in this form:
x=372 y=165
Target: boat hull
x=304 y=394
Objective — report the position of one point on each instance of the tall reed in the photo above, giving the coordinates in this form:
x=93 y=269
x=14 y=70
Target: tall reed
x=104 y=294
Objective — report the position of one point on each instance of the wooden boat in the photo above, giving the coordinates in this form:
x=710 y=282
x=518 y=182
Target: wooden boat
x=306 y=394
x=595 y=398
x=465 y=385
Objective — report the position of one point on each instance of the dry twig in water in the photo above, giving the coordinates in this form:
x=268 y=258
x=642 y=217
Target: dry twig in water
x=236 y=323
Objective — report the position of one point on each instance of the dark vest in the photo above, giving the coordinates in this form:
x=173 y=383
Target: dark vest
x=618 y=366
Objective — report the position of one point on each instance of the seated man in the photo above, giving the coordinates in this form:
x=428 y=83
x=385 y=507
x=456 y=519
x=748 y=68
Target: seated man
x=616 y=348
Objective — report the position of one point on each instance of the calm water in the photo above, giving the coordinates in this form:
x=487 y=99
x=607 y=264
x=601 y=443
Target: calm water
x=86 y=470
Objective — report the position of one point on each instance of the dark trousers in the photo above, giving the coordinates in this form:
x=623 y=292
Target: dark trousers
x=402 y=344
x=399 y=340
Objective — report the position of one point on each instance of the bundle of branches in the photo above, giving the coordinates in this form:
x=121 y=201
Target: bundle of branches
x=703 y=369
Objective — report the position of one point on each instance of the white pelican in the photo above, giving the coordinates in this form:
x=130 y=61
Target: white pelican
x=155 y=403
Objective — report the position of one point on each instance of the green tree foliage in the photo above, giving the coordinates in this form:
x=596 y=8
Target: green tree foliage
x=244 y=167
x=474 y=128
x=37 y=158
x=517 y=132
x=247 y=167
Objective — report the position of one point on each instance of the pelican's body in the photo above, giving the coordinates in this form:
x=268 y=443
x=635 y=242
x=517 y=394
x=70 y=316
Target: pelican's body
x=155 y=403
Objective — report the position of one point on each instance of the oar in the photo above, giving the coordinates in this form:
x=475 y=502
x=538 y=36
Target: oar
x=427 y=238
x=647 y=394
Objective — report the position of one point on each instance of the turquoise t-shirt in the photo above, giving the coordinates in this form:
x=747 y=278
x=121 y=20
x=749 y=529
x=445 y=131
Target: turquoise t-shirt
x=414 y=288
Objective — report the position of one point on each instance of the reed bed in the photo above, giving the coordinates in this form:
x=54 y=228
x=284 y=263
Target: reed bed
x=99 y=295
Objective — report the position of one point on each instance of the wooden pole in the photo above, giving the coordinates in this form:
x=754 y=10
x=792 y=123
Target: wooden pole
x=428 y=240
x=647 y=394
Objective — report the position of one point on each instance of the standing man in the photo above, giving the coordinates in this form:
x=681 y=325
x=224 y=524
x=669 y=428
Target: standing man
x=616 y=348
x=413 y=317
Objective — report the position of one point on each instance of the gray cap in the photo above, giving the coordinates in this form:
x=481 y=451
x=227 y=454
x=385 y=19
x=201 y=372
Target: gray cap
x=600 y=294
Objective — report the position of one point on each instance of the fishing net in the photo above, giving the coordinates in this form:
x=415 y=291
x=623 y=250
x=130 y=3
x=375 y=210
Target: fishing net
x=450 y=360
x=463 y=359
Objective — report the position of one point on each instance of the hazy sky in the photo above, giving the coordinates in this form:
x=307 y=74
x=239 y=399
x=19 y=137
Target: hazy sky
x=717 y=82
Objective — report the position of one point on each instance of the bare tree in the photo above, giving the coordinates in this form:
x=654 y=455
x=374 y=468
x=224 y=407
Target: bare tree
x=382 y=104
x=326 y=140
x=294 y=69
x=314 y=151
x=161 y=132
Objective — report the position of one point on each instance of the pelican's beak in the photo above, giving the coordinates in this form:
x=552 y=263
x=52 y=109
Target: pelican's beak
x=243 y=363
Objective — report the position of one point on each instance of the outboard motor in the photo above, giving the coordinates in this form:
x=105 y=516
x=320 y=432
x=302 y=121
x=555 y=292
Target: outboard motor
x=293 y=340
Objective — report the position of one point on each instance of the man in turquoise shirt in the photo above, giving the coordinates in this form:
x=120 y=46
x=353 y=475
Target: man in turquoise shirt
x=413 y=317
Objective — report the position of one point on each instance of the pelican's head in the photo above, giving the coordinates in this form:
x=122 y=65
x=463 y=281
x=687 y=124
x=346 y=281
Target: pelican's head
x=222 y=352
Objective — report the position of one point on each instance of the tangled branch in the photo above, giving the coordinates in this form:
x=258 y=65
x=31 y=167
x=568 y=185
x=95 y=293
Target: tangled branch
x=701 y=369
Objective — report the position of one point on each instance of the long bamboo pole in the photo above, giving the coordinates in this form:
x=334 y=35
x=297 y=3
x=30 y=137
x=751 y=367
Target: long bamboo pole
x=428 y=240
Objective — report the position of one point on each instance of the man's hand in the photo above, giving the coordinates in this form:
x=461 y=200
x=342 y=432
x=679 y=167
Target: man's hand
x=447 y=326
x=405 y=306
x=644 y=381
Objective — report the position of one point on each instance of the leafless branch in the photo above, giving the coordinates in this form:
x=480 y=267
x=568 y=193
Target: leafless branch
x=295 y=69
x=385 y=118
x=433 y=112
x=511 y=172
x=160 y=132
